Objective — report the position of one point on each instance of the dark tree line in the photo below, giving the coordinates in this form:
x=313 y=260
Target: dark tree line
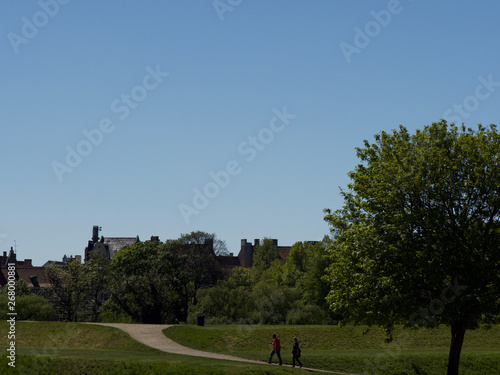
x=148 y=282
x=172 y=282
x=273 y=291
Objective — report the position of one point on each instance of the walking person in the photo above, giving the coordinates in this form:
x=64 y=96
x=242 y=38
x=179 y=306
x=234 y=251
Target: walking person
x=296 y=352
x=276 y=349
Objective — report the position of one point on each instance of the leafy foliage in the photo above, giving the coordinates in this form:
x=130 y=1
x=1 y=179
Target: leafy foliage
x=265 y=254
x=69 y=290
x=155 y=282
x=273 y=291
x=419 y=232
x=29 y=307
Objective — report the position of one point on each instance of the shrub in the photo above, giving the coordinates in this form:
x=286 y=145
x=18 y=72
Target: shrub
x=29 y=307
x=111 y=313
x=306 y=314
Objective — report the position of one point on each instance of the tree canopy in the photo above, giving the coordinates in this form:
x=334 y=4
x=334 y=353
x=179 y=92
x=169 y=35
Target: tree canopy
x=155 y=282
x=272 y=291
x=417 y=240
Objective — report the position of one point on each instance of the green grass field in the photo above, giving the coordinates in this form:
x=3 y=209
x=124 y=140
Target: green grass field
x=352 y=348
x=71 y=348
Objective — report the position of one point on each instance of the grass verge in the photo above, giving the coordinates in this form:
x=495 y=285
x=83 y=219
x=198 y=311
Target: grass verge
x=73 y=349
x=354 y=349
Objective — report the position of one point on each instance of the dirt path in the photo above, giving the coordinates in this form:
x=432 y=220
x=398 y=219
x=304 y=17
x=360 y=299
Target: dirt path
x=152 y=335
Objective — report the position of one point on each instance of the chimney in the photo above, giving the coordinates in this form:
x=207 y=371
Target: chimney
x=34 y=281
x=12 y=256
x=28 y=263
x=95 y=233
x=155 y=239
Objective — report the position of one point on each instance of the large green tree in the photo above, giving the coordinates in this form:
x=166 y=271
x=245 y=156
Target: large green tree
x=200 y=266
x=69 y=290
x=305 y=266
x=266 y=252
x=156 y=282
x=95 y=270
x=144 y=282
x=418 y=238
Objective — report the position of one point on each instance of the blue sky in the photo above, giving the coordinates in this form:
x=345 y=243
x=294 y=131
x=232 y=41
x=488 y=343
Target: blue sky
x=121 y=113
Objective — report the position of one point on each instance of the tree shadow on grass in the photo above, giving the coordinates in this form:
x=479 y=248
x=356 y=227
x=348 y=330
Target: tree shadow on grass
x=418 y=371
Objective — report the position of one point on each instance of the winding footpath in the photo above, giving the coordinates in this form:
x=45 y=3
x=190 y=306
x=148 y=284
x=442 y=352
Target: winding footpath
x=152 y=335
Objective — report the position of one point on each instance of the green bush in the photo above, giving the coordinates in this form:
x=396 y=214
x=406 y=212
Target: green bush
x=273 y=302
x=223 y=304
x=111 y=313
x=306 y=314
x=29 y=307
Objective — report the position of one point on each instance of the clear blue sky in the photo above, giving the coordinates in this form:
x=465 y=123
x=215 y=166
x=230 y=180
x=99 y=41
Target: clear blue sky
x=170 y=92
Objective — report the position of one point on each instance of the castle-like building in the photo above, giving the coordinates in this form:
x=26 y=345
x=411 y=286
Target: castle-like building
x=109 y=246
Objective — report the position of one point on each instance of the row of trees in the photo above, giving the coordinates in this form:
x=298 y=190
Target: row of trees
x=272 y=291
x=175 y=281
x=171 y=282
x=148 y=282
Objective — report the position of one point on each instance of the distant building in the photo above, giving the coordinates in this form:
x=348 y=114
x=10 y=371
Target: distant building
x=247 y=250
x=34 y=276
x=65 y=260
x=245 y=256
x=228 y=262
x=108 y=246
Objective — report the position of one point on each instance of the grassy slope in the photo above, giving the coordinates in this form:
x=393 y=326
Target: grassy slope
x=72 y=348
x=351 y=349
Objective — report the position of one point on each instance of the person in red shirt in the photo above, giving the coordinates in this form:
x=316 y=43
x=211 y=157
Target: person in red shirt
x=276 y=349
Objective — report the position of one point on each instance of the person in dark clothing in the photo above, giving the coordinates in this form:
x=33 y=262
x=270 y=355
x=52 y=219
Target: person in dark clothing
x=296 y=352
x=276 y=349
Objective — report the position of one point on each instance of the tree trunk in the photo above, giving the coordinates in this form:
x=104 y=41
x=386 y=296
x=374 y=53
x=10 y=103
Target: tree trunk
x=457 y=340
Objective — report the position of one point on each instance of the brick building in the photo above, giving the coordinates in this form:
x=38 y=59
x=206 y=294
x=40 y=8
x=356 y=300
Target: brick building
x=34 y=276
